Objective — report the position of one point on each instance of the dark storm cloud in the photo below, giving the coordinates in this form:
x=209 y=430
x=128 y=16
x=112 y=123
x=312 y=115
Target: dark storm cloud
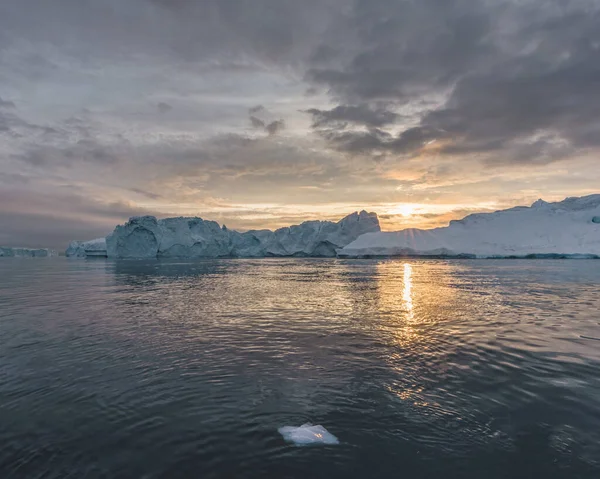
x=359 y=114
x=507 y=71
x=402 y=47
x=524 y=78
x=376 y=140
x=488 y=112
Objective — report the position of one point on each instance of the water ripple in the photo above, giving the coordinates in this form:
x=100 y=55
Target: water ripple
x=187 y=369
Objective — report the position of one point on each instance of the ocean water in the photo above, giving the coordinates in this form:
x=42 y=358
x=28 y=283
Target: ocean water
x=421 y=369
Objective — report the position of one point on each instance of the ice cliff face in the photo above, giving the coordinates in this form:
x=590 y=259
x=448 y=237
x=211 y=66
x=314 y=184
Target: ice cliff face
x=82 y=249
x=27 y=252
x=567 y=228
x=147 y=237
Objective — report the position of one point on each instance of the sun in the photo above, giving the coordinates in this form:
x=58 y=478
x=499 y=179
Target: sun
x=404 y=210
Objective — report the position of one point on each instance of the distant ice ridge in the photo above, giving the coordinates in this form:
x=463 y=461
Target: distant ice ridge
x=569 y=228
x=308 y=434
x=27 y=252
x=82 y=249
x=147 y=237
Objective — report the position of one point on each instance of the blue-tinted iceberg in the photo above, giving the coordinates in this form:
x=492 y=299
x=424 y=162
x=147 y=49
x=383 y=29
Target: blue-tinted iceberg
x=27 y=252
x=308 y=434
x=148 y=237
x=82 y=249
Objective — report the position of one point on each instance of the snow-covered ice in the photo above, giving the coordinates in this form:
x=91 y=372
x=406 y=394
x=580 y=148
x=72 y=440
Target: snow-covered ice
x=308 y=434
x=567 y=228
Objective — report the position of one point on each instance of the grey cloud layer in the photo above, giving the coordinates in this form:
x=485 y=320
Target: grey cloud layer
x=511 y=71
x=523 y=79
x=249 y=100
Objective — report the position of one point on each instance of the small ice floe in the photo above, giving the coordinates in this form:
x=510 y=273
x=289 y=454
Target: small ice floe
x=307 y=434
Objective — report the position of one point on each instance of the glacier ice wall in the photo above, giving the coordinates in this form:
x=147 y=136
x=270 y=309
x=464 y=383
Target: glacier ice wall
x=147 y=237
x=567 y=228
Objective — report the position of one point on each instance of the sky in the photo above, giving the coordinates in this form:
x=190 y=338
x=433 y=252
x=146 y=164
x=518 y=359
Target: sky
x=265 y=113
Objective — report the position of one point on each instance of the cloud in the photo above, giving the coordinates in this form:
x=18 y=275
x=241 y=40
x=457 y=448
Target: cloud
x=506 y=77
x=6 y=103
x=163 y=107
x=378 y=141
x=54 y=218
x=275 y=126
x=257 y=123
x=377 y=99
x=496 y=112
x=86 y=150
x=147 y=194
x=256 y=109
x=14 y=124
x=355 y=114
x=392 y=51
x=487 y=76
x=271 y=127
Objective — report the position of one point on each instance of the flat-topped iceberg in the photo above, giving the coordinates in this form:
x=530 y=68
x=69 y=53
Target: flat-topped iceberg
x=27 y=252
x=568 y=228
x=148 y=237
x=82 y=249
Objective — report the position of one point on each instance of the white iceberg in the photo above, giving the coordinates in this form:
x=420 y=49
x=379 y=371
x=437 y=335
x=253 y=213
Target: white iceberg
x=308 y=434
x=82 y=249
x=27 y=252
x=568 y=228
x=147 y=237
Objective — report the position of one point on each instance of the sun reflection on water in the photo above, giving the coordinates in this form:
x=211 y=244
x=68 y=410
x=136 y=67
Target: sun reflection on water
x=407 y=292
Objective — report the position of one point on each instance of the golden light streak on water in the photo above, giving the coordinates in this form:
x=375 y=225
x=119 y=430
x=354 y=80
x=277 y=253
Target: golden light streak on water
x=407 y=293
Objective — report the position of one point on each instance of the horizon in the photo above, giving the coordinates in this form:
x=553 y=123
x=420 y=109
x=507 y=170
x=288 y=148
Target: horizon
x=272 y=114
x=60 y=247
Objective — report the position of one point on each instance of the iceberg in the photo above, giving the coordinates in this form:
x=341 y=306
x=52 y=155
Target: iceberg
x=27 y=252
x=82 y=249
x=565 y=229
x=148 y=237
x=308 y=434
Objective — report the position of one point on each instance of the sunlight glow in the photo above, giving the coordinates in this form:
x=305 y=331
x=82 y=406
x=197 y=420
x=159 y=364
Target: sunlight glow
x=404 y=210
x=407 y=292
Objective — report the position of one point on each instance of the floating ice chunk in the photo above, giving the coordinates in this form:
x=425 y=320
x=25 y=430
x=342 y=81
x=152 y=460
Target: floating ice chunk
x=307 y=434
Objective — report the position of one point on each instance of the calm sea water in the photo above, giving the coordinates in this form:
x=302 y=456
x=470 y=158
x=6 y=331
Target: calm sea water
x=422 y=369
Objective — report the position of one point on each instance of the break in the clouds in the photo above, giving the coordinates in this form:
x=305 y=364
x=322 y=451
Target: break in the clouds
x=266 y=112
